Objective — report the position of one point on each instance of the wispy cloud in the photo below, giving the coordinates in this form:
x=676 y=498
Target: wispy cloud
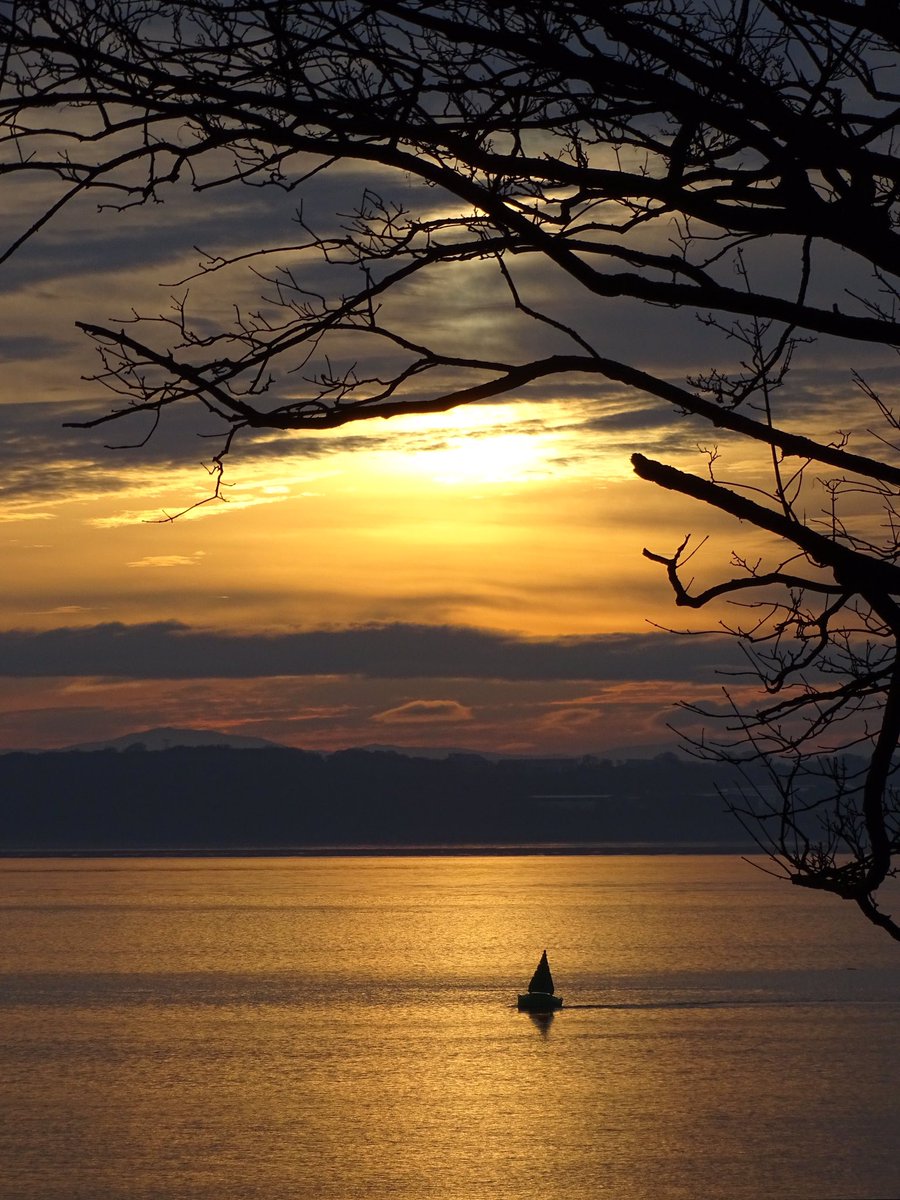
x=169 y=560
x=425 y=712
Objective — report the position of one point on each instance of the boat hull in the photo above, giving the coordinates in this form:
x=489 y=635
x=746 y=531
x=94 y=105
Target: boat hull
x=539 y=1002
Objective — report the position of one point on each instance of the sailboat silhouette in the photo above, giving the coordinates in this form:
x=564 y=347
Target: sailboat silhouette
x=540 y=997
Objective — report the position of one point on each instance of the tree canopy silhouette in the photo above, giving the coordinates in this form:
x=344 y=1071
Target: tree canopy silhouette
x=735 y=159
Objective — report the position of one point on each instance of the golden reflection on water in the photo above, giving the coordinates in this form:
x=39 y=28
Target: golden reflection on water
x=338 y=1028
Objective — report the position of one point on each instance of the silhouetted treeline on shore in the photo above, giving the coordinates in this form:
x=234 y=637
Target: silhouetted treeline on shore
x=199 y=798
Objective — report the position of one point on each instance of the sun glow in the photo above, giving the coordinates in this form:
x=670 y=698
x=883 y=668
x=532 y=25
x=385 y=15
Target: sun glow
x=504 y=458
x=488 y=444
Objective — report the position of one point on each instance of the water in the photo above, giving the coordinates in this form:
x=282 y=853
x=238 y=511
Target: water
x=336 y=1028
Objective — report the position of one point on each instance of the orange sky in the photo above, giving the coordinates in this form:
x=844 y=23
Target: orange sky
x=521 y=520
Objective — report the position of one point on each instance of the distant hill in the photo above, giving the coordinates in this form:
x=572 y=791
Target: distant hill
x=275 y=799
x=167 y=737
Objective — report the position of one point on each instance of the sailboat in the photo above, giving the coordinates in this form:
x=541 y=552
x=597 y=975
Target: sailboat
x=540 y=997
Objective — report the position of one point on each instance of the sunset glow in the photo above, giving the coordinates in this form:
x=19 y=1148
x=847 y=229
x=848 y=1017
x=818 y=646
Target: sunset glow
x=517 y=519
x=449 y=526
x=522 y=520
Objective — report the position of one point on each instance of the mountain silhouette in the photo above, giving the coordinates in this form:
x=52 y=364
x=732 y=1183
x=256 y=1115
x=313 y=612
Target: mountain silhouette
x=167 y=736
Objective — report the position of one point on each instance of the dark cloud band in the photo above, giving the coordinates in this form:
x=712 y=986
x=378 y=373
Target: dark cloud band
x=172 y=650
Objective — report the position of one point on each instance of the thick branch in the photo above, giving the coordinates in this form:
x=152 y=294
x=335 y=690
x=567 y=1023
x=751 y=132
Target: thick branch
x=296 y=415
x=853 y=572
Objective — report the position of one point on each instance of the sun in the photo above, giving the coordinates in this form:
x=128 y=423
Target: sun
x=485 y=459
x=473 y=447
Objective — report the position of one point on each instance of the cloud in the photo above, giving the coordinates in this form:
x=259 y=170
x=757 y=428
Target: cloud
x=568 y=717
x=18 y=514
x=25 y=346
x=419 y=712
x=169 y=560
x=173 y=650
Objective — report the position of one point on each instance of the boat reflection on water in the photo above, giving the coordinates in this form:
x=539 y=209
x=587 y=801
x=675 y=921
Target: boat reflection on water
x=542 y=1021
x=540 y=996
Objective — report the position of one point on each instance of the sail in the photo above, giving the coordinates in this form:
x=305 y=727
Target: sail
x=542 y=980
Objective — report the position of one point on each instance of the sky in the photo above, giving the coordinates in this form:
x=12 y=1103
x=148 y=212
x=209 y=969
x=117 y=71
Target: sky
x=474 y=580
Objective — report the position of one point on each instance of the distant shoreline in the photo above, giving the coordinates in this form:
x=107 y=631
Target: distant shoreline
x=381 y=851
x=218 y=801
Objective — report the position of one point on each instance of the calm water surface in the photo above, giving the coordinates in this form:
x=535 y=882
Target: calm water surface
x=343 y=1027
